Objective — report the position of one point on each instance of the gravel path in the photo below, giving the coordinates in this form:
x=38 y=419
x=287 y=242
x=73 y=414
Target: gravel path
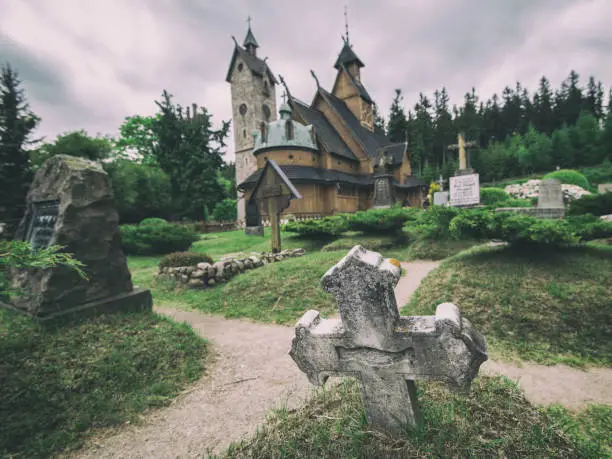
x=252 y=373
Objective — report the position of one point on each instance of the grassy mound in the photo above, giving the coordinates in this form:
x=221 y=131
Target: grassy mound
x=549 y=306
x=59 y=383
x=494 y=420
x=278 y=292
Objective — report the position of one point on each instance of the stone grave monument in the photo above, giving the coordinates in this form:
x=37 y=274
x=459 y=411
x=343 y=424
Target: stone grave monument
x=550 y=200
x=273 y=193
x=385 y=351
x=465 y=185
x=70 y=203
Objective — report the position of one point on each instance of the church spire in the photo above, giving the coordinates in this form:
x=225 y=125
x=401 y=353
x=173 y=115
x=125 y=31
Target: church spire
x=250 y=43
x=347 y=56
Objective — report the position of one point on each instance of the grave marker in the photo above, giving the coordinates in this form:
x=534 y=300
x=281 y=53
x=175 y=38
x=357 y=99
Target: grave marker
x=385 y=351
x=273 y=193
x=465 y=190
x=70 y=203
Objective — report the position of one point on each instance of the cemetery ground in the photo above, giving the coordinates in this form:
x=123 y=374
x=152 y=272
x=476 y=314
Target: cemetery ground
x=494 y=419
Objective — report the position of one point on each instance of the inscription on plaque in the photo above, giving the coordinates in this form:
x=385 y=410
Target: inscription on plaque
x=270 y=191
x=42 y=224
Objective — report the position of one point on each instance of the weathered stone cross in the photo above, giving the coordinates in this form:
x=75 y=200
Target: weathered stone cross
x=461 y=145
x=385 y=351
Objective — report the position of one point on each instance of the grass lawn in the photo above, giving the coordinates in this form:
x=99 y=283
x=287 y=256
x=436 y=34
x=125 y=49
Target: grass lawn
x=278 y=292
x=58 y=383
x=549 y=306
x=494 y=420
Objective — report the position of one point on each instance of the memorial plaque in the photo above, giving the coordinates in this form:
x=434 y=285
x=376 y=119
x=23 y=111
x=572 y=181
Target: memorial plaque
x=465 y=190
x=440 y=198
x=42 y=224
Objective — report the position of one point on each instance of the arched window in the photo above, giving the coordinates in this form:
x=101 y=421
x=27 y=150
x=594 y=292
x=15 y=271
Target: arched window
x=289 y=130
x=263 y=131
x=266 y=89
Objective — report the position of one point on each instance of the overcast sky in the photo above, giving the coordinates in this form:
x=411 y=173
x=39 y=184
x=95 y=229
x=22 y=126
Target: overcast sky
x=87 y=64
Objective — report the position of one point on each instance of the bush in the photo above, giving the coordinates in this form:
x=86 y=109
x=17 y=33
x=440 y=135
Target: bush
x=492 y=196
x=524 y=229
x=225 y=211
x=156 y=239
x=153 y=221
x=595 y=204
x=176 y=259
x=325 y=227
x=382 y=220
x=569 y=177
x=599 y=174
x=514 y=202
x=432 y=223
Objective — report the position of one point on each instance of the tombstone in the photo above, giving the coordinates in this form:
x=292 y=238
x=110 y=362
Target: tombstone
x=604 y=188
x=70 y=204
x=253 y=220
x=440 y=198
x=273 y=193
x=384 y=195
x=385 y=351
x=550 y=200
x=464 y=190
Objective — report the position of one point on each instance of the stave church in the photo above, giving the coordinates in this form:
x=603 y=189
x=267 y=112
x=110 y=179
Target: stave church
x=329 y=149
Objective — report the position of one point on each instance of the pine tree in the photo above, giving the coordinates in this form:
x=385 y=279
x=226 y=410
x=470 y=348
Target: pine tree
x=17 y=124
x=543 y=115
x=443 y=127
x=397 y=125
x=593 y=101
x=379 y=121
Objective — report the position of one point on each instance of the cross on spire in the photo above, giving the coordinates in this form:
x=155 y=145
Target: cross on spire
x=346 y=27
x=284 y=97
x=249 y=19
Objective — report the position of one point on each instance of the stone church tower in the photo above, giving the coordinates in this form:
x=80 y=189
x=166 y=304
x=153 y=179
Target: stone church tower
x=253 y=88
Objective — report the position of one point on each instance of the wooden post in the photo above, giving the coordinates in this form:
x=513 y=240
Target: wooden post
x=273 y=213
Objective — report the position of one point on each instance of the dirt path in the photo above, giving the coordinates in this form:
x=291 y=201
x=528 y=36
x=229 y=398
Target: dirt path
x=252 y=374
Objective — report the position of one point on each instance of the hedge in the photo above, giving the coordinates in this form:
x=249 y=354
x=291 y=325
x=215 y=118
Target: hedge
x=325 y=227
x=156 y=239
x=569 y=177
x=377 y=221
x=491 y=196
x=595 y=204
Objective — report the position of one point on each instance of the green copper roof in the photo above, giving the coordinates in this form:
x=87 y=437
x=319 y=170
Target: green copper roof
x=276 y=133
x=250 y=39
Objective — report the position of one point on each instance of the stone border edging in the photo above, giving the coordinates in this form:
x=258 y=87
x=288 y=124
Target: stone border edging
x=207 y=275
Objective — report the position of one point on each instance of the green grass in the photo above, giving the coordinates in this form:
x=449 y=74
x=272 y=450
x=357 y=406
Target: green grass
x=494 y=420
x=426 y=249
x=58 y=383
x=548 y=306
x=278 y=292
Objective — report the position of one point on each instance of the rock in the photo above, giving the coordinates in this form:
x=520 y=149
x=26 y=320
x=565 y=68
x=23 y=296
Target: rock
x=198 y=274
x=184 y=278
x=211 y=281
x=189 y=270
x=211 y=271
x=70 y=203
x=240 y=265
x=203 y=266
x=607 y=218
x=196 y=283
x=219 y=268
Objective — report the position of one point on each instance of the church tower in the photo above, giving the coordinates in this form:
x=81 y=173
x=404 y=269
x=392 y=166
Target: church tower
x=253 y=89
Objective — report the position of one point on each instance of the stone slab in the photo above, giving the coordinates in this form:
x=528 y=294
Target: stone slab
x=254 y=230
x=135 y=301
x=604 y=188
x=465 y=190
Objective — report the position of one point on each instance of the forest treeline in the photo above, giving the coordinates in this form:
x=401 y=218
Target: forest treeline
x=515 y=134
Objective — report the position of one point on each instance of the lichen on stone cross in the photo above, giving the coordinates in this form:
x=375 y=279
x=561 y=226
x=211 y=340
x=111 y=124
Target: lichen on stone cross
x=385 y=351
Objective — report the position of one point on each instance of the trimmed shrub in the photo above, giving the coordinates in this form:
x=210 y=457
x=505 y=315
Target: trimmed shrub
x=382 y=220
x=595 y=204
x=569 y=177
x=492 y=196
x=156 y=239
x=177 y=259
x=588 y=227
x=225 y=211
x=153 y=221
x=432 y=223
x=325 y=227
x=515 y=202
x=599 y=174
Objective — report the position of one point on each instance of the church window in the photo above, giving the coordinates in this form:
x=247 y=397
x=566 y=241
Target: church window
x=266 y=89
x=243 y=109
x=289 y=130
x=240 y=67
x=290 y=156
x=266 y=112
x=263 y=131
x=244 y=133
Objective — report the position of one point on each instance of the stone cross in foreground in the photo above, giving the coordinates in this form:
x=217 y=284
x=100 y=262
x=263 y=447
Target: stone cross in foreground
x=385 y=351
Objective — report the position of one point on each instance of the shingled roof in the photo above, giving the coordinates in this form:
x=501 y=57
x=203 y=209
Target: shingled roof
x=359 y=86
x=346 y=56
x=327 y=135
x=255 y=64
x=309 y=174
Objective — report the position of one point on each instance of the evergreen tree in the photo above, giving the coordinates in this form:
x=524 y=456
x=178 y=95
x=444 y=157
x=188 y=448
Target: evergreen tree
x=543 y=116
x=593 y=101
x=444 y=133
x=397 y=125
x=423 y=129
x=17 y=124
x=379 y=121
x=570 y=100
x=189 y=151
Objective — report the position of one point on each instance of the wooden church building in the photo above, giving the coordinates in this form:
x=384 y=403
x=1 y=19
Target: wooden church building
x=329 y=149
